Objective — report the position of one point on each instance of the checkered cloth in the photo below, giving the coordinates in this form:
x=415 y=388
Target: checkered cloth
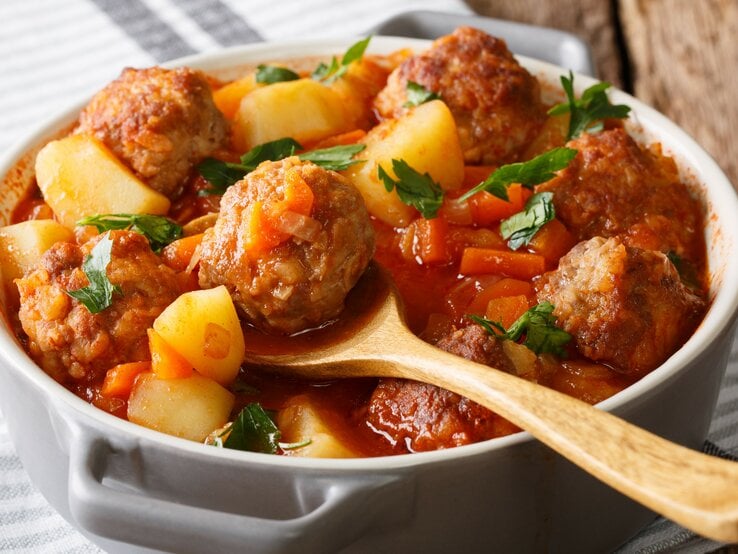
x=53 y=52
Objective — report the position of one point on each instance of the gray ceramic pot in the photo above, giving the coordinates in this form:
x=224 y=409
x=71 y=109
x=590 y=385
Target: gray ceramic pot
x=132 y=489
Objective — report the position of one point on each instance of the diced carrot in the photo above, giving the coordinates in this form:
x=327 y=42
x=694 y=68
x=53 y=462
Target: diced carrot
x=507 y=309
x=342 y=139
x=519 y=265
x=298 y=196
x=430 y=240
x=228 y=97
x=261 y=235
x=178 y=253
x=504 y=287
x=552 y=241
x=475 y=174
x=119 y=379
x=166 y=362
x=488 y=209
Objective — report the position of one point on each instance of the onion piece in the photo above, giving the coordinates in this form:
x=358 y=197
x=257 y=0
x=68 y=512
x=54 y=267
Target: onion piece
x=301 y=226
x=457 y=211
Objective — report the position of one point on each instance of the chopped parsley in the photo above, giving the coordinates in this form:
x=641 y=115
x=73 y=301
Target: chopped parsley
x=414 y=189
x=588 y=112
x=270 y=74
x=98 y=295
x=537 y=170
x=329 y=73
x=253 y=430
x=159 y=230
x=520 y=228
x=222 y=175
x=417 y=94
x=537 y=325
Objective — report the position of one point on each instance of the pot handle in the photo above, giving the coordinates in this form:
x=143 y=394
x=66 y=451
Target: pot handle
x=349 y=509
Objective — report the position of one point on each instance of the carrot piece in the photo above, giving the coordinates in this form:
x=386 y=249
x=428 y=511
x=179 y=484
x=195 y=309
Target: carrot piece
x=119 y=379
x=487 y=209
x=475 y=174
x=166 y=362
x=552 y=241
x=178 y=253
x=342 y=139
x=298 y=196
x=519 y=265
x=429 y=242
x=504 y=287
x=261 y=234
x=507 y=309
x=228 y=97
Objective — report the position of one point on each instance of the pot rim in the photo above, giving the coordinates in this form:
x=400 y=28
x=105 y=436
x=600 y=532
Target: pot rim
x=704 y=173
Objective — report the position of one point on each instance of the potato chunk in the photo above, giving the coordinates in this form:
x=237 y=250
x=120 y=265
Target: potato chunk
x=189 y=408
x=303 y=109
x=203 y=327
x=79 y=176
x=22 y=244
x=426 y=139
x=301 y=421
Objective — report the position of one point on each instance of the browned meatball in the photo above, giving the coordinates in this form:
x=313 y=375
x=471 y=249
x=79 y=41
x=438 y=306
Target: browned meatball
x=74 y=345
x=496 y=103
x=616 y=187
x=624 y=306
x=302 y=281
x=160 y=122
x=418 y=417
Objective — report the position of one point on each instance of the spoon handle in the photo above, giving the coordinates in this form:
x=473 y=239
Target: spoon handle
x=697 y=491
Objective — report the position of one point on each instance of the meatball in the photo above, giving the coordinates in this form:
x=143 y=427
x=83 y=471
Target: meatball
x=416 y=416
x=74 y=345
x=615 y=187
x=302 y=281
x=625 y=306
x=495 y=102
x=160 y=122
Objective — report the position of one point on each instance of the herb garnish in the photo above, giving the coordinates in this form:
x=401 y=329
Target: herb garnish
x=520 y=228
x=270 y=74
x=414 y=189
x=254 y=431
x=222 y=175
x=159 y=230
x=538 y=324
x=417 y=94
x=537 y=170
x=98 y=295
x=329 y=73
x=589 y=110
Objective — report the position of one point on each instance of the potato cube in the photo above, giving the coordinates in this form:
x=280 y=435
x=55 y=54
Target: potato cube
x=427 y=140
x=303 y=109
x=300 y=420
x=189 y=408
x=22 y=244
x=79 y=176
x=203 y=326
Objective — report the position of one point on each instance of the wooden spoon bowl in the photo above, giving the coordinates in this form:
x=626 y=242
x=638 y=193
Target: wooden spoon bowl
x=697 y=491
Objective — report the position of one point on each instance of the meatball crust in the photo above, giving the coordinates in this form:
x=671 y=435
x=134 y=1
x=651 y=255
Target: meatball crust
x=160 y=122
x=495 y=101
x=615 y=187
x=299 y=283
x=625 y=306
x=418 y=417
x=74 y=345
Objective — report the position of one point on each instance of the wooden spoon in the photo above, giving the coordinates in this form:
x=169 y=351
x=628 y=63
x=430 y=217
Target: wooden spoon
x=697 y=491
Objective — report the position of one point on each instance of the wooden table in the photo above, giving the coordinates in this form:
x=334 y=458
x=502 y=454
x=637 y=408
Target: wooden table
x=679 y=56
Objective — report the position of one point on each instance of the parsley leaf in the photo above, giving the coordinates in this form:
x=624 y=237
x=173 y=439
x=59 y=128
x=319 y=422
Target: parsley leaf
x=336 y=158
x=417 y=94
x=522 y=226
x=538 y=324
x=589 y=110
x=98 y=295
x=414 y=189
x=254 y=431
x=329 y=73
x=270 y=74
x=159 y=230
x=537 y=170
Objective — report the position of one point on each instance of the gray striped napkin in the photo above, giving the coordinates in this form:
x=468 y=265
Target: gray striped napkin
x=53 y=52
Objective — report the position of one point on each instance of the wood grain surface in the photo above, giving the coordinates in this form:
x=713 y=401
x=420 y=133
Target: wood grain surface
x=679 y=56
